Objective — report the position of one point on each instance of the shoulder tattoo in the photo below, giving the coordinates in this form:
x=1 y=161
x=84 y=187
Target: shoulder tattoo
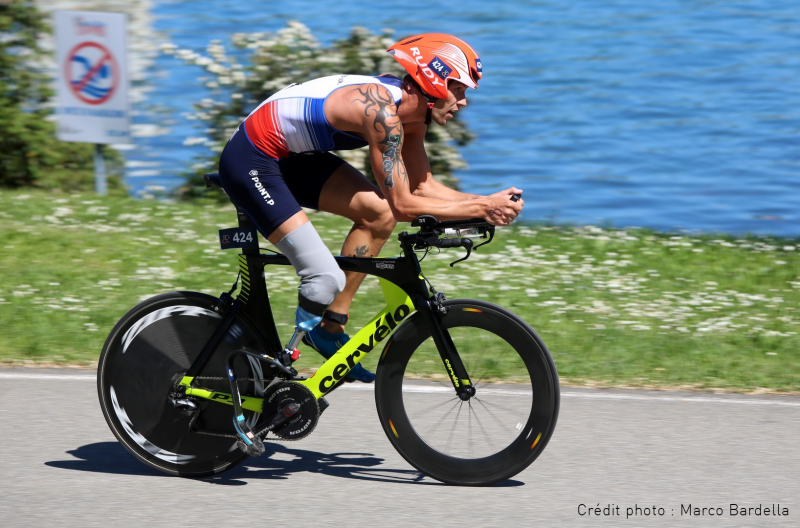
x=380 y=107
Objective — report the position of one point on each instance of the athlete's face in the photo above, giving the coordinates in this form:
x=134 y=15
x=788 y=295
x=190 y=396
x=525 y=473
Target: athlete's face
x=445 y=109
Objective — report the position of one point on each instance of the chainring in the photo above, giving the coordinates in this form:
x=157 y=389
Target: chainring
x=280 y=394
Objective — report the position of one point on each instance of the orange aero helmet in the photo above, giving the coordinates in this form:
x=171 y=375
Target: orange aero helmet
x=433 y=59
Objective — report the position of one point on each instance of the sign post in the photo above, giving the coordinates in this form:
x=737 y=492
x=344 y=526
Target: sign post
x=92 y=102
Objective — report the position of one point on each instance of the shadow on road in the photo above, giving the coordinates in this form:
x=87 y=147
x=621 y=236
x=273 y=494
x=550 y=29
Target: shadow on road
x=104 y=457
x=278 y=462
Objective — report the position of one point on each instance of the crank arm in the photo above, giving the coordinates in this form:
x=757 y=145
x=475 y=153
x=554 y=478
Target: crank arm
x=281 y=417
x=236 y=398
x=247 y=439
x=250 y=441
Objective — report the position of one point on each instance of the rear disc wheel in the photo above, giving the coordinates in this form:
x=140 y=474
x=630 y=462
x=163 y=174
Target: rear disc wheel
x=144 y=357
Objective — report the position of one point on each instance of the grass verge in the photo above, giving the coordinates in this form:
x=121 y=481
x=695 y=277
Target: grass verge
x=615 y=307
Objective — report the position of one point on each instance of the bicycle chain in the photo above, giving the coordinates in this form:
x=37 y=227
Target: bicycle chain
x=260 y=434
x=220 y=378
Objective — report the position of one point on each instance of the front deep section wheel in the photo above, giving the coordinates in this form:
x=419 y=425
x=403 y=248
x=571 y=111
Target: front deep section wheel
x=145 y=355
x=500 y=430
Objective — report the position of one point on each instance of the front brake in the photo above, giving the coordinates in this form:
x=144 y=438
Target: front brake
x=490 y=231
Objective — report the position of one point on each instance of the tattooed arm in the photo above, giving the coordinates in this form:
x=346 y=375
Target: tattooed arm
x=382 y=128
x=384 y=131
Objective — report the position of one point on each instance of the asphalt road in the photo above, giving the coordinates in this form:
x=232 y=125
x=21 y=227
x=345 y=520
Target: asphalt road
x=62 y=466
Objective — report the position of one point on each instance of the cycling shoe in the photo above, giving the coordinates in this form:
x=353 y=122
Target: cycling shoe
x=327 y=344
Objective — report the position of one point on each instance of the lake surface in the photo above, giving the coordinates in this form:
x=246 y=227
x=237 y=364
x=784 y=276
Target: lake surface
x=669 y=115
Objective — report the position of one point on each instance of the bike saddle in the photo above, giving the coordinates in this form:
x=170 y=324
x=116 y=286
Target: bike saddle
x=212 y=180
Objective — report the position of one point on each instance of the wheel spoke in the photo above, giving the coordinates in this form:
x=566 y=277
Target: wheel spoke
x=452 y=429
x=443 y=403
x=483 y=430
x=477 y=362
x=469 y=433
x=489 y=411
x=440 y=422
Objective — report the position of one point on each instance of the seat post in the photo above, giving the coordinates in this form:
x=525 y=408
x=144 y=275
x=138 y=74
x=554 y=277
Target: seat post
x=254 y=288
x=244 y=222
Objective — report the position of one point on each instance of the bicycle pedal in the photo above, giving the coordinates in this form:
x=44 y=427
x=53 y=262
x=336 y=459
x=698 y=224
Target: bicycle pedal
x=255 y=449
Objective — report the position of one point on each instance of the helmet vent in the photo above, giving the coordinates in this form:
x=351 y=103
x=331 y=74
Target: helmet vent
x=406 y=43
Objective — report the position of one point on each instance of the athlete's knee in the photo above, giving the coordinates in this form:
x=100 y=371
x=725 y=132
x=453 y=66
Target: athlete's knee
x=329 y=281
x=380 y=221
x=386 y=223
x=321 y=279
x=341 y=279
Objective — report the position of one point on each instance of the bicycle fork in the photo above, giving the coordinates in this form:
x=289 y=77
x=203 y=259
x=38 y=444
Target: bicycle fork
x=453 y=365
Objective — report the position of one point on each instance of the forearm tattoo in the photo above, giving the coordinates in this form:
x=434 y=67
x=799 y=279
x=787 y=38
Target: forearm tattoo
x=389 y=155
x=388 y=124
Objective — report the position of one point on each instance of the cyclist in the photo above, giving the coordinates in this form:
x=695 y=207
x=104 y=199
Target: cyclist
x=277 y=160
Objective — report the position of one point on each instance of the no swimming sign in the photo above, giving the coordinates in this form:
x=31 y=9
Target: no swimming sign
x=92 y=78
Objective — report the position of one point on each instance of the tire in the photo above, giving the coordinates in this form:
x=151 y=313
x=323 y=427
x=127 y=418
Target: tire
x=148 y=350
x=497 y=433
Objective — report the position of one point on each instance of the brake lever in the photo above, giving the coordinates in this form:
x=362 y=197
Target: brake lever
x=489 y=230
x=466 y=243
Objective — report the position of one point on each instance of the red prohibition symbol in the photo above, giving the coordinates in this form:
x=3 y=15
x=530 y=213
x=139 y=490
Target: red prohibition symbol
x=91 y=72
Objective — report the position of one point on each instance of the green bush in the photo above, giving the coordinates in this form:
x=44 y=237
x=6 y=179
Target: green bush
x=275 y=60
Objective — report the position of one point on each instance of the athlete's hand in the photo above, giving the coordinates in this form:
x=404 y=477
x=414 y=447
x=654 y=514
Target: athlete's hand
x=500 y=209
x=508 y=192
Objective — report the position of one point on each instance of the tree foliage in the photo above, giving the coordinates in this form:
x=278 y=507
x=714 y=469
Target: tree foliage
x=30 y=154
x=260 y=64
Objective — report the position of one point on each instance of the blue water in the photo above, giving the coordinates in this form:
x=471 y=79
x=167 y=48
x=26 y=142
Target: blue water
x=678 y=114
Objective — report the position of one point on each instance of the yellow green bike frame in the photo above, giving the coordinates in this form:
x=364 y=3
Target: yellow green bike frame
x=404 y=288
x=398 y=307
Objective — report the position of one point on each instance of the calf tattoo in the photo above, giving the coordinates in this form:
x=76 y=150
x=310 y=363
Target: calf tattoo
x=361 y=251
x=377 y=100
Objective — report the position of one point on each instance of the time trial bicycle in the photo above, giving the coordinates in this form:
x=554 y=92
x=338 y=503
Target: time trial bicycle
x=192 y=384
